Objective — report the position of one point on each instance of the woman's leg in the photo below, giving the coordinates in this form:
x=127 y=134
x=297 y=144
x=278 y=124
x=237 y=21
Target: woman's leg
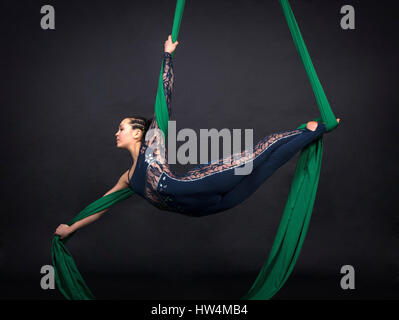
x=249 y=184
x=219 y=178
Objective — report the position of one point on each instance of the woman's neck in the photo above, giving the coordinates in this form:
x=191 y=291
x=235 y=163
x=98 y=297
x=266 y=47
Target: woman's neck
x=134 y=150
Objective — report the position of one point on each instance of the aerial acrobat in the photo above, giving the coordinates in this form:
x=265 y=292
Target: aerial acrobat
x=211 y=188
x=206 y=189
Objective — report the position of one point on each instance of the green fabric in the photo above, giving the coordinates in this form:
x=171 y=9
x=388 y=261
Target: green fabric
x=295 y=220
x=324 y=107
x=293 y=225
x=161 y=108
x=68 y=278
x=298 y=209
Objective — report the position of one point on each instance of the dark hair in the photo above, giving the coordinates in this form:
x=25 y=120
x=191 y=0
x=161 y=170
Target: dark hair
x=138 y=122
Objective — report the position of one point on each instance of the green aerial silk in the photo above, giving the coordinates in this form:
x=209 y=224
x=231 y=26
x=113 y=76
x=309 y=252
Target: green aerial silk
x=67 y=276
x=161 y=108
x=295 y=220
x=298 y=209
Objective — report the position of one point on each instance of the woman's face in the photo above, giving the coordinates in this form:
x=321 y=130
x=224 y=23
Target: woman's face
x=126 y=135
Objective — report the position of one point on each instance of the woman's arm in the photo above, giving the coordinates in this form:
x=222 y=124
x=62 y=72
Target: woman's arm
x=64 y=230
x=167 y=76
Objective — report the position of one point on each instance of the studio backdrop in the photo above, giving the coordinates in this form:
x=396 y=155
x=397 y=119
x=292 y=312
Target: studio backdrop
x=67 y=86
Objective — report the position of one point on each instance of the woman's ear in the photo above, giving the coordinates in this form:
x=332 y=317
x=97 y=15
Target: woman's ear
x=137 y=134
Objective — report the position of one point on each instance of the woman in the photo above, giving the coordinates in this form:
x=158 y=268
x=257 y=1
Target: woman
x=206 y=189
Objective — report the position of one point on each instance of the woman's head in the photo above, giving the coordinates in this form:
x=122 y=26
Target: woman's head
x=131 y=131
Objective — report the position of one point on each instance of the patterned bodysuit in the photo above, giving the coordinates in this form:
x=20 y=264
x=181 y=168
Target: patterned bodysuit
x=213 y=187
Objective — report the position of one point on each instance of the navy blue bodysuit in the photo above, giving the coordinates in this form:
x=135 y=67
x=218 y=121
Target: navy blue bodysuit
x=213 y=187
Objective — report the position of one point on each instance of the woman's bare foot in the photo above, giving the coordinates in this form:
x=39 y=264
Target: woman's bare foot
x=312 y=125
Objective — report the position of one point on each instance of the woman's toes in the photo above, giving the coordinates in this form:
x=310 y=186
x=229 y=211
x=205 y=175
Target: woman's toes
x=312 y=125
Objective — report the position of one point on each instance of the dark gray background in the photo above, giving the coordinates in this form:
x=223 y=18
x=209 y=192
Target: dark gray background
x=64 y=93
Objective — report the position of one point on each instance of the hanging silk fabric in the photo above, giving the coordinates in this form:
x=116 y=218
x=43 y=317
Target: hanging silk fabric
x=296 y=216
x=298 y=209
x=67 y=276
